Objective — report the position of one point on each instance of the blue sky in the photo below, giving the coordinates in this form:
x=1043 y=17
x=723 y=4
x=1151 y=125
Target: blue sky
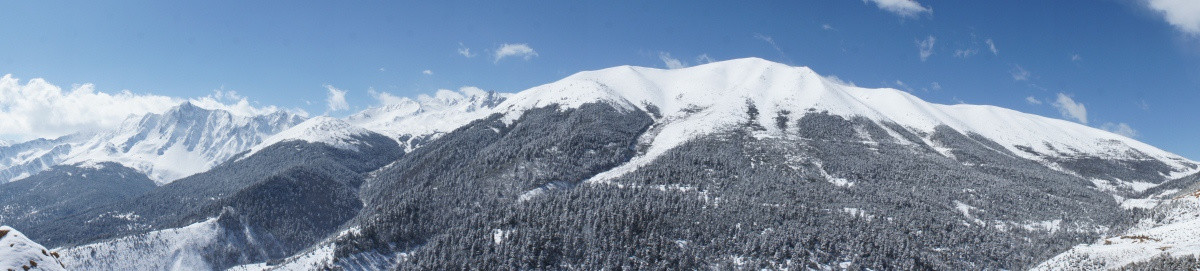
x=1128 y=65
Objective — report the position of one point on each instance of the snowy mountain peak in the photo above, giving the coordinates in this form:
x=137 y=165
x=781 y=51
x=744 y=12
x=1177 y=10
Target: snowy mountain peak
x=184 y=140
x=17 y=252
x=404 y=119
x=334 y=132
x=707 y=98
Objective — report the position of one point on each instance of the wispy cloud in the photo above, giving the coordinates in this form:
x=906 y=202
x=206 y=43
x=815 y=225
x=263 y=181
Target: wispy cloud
x=1070 y=109
x=336 y=101
x=514 y=50
x=1019 y=73
x=839 y=81
x=427 y=72
x=925 y=47
x=41 y=109
x=992 y=46
x=1032 y=100
x=1076 y=58
x=826 y=27
x=771 y=41
x=671 y=63
x=1120 y=129
x=903 y=8
x=1182 y=14
x=385 y=98
x=965 y=53
x=464 y=51
x=703 y=58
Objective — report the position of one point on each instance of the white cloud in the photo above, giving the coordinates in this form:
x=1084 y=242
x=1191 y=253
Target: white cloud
x=935 y=86
x=337 y=99
x=1019 y=73
x=903 y=8
x=926 y=47
x=518 y=50
x=703 y=58
x=901 y=85
x=385 y=98
x=1032 y=100
x=1070 y=109
x=965 y=53
x=39 y=109
x=382 y=69
x=1183 y=14
x=771 y=41
x=1076 y=58
x=464 y=51
x=992 y=47
x=1120 y=129
x=427 y=72
x=236 y=104
x=671 y=62
x=826 y=27
x=839 y=81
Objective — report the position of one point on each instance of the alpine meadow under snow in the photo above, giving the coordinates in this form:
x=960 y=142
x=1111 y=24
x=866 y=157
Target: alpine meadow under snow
x=738 y=164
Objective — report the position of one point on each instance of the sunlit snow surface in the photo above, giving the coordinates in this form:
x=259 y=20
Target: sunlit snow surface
x=331 y=131
x=17 y=251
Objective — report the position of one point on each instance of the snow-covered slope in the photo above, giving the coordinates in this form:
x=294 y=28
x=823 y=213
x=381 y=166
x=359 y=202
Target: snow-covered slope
x=1174 y=231
x=170 y=249
x=334 y=132
x=703 y=99
x=183 y=141
x=406 y=119
x=17 y=252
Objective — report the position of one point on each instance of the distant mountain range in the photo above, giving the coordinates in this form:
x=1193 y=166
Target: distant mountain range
x=745 y=164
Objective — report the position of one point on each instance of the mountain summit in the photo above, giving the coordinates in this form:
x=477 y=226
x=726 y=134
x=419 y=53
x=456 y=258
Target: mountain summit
x=694 y=101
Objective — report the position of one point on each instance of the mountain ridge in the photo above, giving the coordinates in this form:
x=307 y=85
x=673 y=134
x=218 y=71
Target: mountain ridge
x=184 y=140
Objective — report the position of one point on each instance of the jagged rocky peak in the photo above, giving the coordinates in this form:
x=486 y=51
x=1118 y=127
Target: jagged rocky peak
x=185 y=140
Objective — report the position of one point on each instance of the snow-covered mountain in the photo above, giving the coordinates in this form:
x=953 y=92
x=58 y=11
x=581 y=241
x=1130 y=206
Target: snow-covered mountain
x=1020 y=173
x=185 y=140
x=704 y=99
x=331 y=131
x=809 y=172
x=17 y=252
x=411 y=121
x=708 y=98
